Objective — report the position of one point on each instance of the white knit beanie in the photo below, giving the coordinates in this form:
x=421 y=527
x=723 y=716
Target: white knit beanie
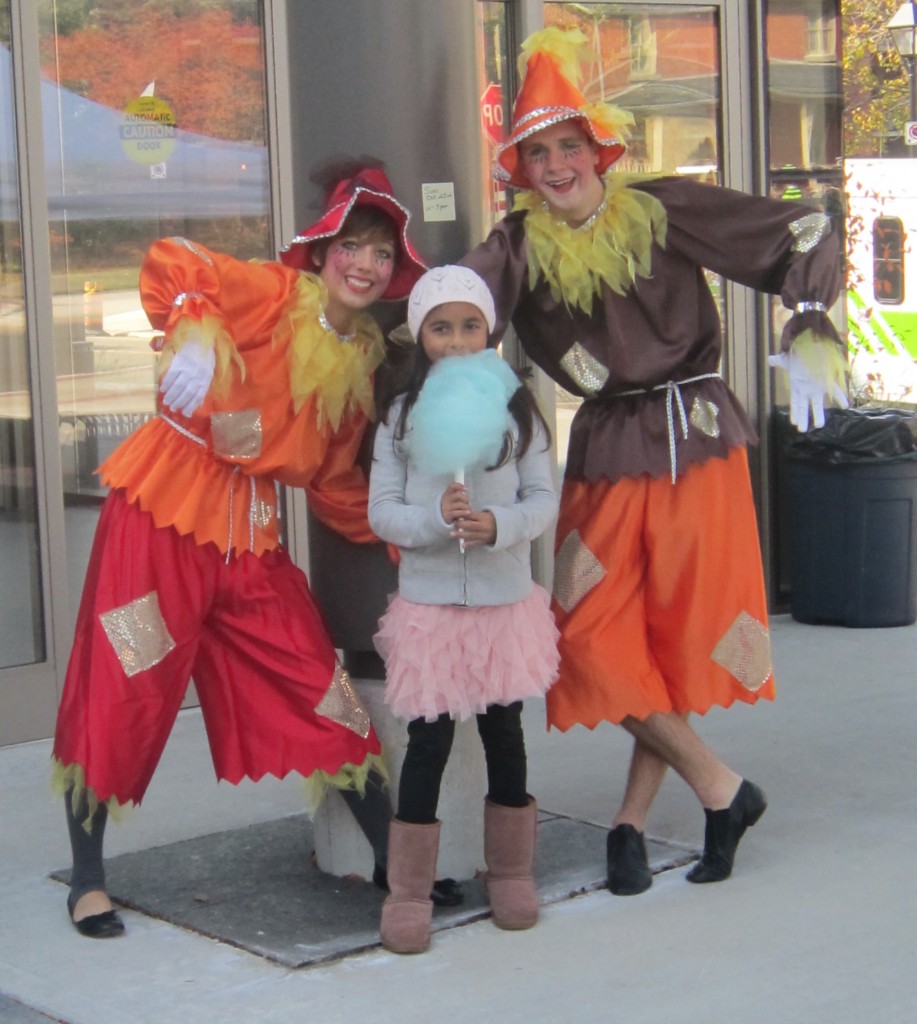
x=448 y=284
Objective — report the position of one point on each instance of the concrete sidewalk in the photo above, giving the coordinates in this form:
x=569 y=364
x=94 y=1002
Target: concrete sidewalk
x=816 y=924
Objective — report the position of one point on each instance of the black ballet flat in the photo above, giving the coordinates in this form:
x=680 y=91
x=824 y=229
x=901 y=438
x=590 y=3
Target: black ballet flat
x=107 y=925
x=446 y=892
x=100 y=926
x=628 y=868
x=723 y=831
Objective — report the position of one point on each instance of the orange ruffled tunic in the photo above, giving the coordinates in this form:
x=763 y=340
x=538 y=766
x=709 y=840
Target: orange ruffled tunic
x=214 y=474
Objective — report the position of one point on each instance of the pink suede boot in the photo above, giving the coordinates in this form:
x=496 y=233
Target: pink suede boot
x=509 y=850
x=407 y=909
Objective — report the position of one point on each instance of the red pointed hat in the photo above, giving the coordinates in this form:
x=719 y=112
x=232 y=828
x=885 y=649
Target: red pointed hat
x=369 y=186
x=549 y=95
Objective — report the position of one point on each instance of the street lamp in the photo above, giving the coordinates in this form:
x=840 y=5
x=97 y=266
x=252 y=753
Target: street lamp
x=903 y=30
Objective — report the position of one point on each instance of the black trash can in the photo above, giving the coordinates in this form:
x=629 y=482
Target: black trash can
x=853 y=519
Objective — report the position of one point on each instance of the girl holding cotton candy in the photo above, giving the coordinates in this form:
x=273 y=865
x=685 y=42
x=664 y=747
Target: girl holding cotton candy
x=462 y=483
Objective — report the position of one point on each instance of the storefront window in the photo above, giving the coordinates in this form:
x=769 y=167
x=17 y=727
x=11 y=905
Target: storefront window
x=155 y=126
x=21 y=622
x=661 y=63
x=803 y=89
x=804 y=83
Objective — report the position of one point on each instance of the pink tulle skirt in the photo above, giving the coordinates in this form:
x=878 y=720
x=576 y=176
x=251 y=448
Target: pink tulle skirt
x=441 y=658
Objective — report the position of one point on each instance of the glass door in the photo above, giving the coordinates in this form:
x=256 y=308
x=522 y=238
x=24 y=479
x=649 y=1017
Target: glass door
x=128 y=122
x=678 y=67
x=155 y=125
x=805 y=64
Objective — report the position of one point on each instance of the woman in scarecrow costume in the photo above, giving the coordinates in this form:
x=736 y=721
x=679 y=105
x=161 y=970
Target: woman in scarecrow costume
x=658 y=585
x=266 y=379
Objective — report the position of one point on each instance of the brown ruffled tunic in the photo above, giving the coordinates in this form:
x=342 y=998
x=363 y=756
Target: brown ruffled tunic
x=666 y=328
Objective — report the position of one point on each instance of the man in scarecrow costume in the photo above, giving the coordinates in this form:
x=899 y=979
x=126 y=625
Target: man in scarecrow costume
x=658 y=584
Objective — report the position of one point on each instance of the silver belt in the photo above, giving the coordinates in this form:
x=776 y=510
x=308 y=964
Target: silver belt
x=673 y=401
x=232 y=486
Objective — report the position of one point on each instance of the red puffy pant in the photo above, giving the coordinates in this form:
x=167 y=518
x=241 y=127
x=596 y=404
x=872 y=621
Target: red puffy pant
x=157 y=609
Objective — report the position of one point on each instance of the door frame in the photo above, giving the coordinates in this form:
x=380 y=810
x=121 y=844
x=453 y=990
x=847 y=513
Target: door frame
x=29 y=694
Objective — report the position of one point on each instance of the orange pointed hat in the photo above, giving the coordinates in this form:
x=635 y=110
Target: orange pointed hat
x=550 y=93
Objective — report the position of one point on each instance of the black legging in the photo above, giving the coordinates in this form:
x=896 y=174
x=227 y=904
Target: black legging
x=429 y=745
x=88 y=872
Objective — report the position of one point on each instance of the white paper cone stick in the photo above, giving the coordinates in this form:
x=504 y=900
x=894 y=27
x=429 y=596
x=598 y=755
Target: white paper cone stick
x=459 y=478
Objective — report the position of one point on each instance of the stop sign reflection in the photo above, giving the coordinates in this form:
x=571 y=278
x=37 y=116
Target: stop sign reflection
x=492 y=112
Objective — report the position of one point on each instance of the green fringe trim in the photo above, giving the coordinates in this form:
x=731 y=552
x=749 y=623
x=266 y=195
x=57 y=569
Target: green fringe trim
x=348 y=776
x=71 y=778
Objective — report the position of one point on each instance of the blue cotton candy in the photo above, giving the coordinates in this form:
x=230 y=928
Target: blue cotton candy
x=461 y=413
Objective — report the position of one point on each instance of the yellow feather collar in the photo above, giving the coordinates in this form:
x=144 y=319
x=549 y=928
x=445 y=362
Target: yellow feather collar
x=338 y=372
x=613 y=247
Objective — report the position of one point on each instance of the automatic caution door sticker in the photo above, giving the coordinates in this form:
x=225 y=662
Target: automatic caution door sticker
x=148 y=130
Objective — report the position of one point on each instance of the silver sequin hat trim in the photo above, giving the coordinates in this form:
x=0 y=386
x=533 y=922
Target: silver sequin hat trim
x=545 y=117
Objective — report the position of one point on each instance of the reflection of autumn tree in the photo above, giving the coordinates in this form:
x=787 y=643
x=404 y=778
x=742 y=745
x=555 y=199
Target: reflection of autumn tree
x=875 y=85
x=206 y=65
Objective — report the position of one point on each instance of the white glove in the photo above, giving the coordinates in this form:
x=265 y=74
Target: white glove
x=187 y=380
x=817 y=371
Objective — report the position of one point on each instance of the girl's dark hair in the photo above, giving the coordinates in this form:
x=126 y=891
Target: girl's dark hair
x=522 y=407
x=364 y=221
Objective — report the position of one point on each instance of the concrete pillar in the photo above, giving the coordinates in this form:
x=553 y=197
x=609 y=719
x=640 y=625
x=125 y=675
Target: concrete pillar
x=341 y=848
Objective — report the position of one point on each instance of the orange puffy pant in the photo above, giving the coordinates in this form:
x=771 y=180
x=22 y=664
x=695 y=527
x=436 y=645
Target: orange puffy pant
x=659 y=596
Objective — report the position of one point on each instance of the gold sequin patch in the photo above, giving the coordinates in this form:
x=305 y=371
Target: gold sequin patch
x=704 y=417
x=138 y=633
x=808 y=231
x=236 y=435
x=745 y=651
x=576 y=571
x=584 y=368
x=262 y=513
x=342 y=705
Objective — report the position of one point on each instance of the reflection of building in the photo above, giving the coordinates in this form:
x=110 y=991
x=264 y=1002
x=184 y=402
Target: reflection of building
x=663 y=68
x=804 y=83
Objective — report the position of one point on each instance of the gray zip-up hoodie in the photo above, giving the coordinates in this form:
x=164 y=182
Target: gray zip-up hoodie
x=405 y=510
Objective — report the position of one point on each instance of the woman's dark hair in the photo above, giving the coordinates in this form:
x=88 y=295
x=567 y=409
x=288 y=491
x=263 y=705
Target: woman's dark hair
x=363 y=221
x=522 y=407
